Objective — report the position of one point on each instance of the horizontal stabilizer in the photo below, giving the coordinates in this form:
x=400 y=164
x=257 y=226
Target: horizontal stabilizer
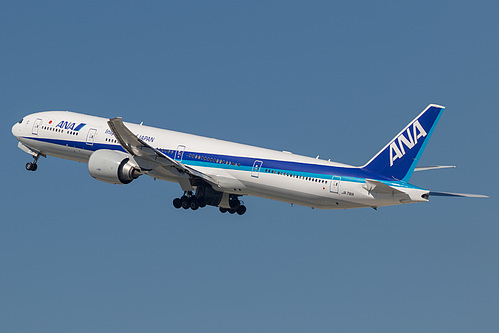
x=463 y=195
x=434 y=167
x=379 y=187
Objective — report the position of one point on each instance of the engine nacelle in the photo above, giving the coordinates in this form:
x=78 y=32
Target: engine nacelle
x=113 y=167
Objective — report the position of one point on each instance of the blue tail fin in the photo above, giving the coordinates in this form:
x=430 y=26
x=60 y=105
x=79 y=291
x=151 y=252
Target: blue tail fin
x=400 y=156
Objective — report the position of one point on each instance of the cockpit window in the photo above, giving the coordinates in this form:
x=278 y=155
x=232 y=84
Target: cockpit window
x=21 y=121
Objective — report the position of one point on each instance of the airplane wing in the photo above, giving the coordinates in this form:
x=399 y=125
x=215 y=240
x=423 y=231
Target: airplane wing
x=150 y=158
x=137 y=147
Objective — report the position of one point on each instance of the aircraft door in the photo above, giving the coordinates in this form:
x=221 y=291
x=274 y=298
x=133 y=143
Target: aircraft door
x=91 y=136
x=36 y=126
x=180 y=153
x=255 y=171
x=335 y=185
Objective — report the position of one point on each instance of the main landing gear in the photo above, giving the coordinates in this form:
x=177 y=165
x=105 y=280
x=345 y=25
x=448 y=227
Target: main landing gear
x=236 y=206
x=32 y=166
x=188 y=201
x=202 y=199
x=240 y=210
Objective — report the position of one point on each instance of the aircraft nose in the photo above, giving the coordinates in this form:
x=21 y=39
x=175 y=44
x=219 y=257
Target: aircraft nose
x=16 y=130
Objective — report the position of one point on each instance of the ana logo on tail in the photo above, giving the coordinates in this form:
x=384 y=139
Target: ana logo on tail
x=397 y=149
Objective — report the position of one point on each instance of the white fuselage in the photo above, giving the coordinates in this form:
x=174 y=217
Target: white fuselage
x=242 y=169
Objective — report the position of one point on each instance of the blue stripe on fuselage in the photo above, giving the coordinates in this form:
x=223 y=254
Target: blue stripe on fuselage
x=79 y=144
x=349 y=174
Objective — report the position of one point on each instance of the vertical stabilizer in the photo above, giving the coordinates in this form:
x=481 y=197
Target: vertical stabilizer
x=400 y=156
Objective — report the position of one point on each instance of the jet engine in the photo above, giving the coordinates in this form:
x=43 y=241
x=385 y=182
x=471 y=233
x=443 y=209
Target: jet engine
x=113 y=167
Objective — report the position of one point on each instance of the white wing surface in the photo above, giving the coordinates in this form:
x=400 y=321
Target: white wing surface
x=150 y=158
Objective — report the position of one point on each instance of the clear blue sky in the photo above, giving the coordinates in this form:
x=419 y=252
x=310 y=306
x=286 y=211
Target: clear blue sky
x=324 y=78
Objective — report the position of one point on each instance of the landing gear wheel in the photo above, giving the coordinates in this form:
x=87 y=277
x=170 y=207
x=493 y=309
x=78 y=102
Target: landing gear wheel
x=185 y=202
x=241 y=210
x=177 y=203
x=31 y=166
x=223 y=210
x=232 y=211
x=234 y=203
x=194 y=204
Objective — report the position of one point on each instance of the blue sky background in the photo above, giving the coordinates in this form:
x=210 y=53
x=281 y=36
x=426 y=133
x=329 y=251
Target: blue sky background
x=324 y=78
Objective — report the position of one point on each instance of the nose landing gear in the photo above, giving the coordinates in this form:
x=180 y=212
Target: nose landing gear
x=32 y=166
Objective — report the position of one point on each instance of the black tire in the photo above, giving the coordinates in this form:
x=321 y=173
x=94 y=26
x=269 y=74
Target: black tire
x=177 y=203
x=202 y=203
x=194 y=204
x=234 y=204
x=185 y=202
x=232 y=211
x=34 y=166
x=223 y=210
x=241 y=210
x=29 y=166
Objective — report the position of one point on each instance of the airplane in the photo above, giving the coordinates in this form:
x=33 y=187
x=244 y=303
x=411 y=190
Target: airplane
x=218 y=173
